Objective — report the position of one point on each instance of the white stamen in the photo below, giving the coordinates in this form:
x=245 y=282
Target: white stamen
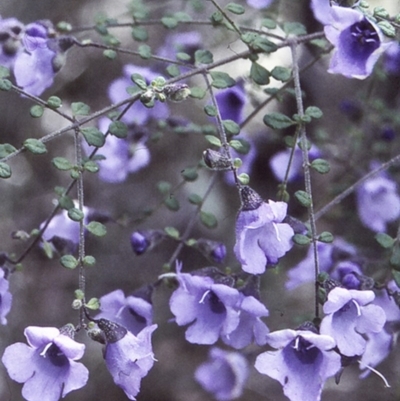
x=387 y=385
x=204 y=297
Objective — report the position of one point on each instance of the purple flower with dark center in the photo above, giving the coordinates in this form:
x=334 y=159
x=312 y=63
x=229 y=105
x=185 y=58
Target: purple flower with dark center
x=350 y=315
x=133 y=312
x=358 y=41
x=128 y=357
x=224 y=374
x=137 y=114
x=47 y=365
x=123 y=156
x=231 y=102
x=11 y=31
x=378 y=202
x=207 y=306
x=302 y=364
x=5 y=297
x=261 y=237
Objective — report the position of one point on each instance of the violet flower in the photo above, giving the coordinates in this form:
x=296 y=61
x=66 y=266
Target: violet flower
x=259 y=4
x=358 y=41
x=123 y=156
x=133 y=312
x=261 y=237
x=5 y=297
x=391 y=62
x=378 y=202
x=128 y=357
x=231 y=102
x=207 y=306
x=186 y=42
x=11 y=31
x=137 y=114
x=350 y=315
x=47 y=365
x=302 y=364
x=224 y=374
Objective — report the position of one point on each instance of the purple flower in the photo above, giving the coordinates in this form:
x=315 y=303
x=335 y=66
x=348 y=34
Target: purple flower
x=144 y=240
x=11 y=31
x=128 y=357
x=47 y=365
x=122 y=156
x=259 y=4
x=213 y=250
x=231 y=102
x=5 y=297
x=302 y=364
x=207 y=306
x=358 y=41
x=349 y=317
x=392 y=59
x=186 y=42
x=224 y=374
x=132 y=312
x=137 y=114
x=261 y=237
x=378 y=202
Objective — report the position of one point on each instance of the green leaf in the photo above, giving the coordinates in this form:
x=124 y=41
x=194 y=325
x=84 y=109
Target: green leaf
x=140 y=33
x=182 y=17
x=278 y=121
x=235 y=8
x=5 y=85
x=110 y=54
x=80 y=109
x=66 y=202
x=213 y=140
x=303 y=198
x=173 y=70
x=396 y=277
x=145 y=51
x=36 y=111
x=314 y=112
x=89 y=261
x=172 y=232
x=197 y=93
x=281 y=73
x=69 y=262
x=54 y=102
x=118 y=129
x=164 y=187
x=301 y=239
x=139 y=81
x=96 y=228
x=238 y=146
x=181 y=56
x=93 y=136
x=75 y=214
x=385 y=240
x=5 y=170
x=62 y=164
x=210 y=110
x=221 y=80
x=169 y=22
x=261 y=43
x=268 y=23
x=294 y=28
x=326 y=237
x=190 y=174
x=320 y=165
x=387 y=28
x=35 y=146
x=244 y=178
x=91 y=166
x=208 y=219
x=6 y=149
x=259 y=74
x=231 y=127
x=93 y=304
x=172 y=203
x=4 y=72
x=195 y=199
x=395 y=256
x=203 y=57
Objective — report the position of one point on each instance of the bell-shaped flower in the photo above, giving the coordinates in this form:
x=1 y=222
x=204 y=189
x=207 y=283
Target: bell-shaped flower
x=134 y=312
x=47 y=365
x=261 y=236
x=224 y=374
x=5 y=297
x=358 y=41
x=231 y=102
x=304 y=360
x=349 y=316
x=128 y=357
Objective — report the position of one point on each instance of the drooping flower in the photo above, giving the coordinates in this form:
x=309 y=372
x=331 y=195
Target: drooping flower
x=261 y=237
x=349 y=315
x=358 y=41
x=47 y=365
x=128 y=357
x=144 y=240
x=302 y=364
x=5 y=297
x=137 y=114
x=378 y=202
x=224 y=374
x=134 y=312
x=208 y=307
x=123 y=156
